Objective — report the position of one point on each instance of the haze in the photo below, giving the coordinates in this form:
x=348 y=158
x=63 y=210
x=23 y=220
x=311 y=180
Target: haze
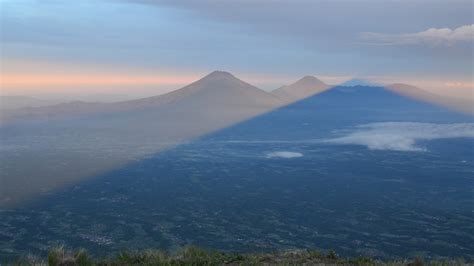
x=237 y=126
x=82 y=50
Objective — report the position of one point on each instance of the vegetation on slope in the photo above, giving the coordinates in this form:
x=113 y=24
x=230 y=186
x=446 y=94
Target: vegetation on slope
x=196 y=256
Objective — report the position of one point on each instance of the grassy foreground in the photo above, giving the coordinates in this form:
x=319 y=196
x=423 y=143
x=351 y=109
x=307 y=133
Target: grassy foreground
x=197 y=256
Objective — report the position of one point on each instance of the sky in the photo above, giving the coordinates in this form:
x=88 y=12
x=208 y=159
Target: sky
x=146 y=47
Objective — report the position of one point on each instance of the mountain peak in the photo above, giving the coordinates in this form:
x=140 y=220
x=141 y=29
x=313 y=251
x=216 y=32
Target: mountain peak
x=309 y=77
x=304 y=87
x=219 y=75
x=220 y=79
x=359 y=82
x=216 y=88
x=308 y=80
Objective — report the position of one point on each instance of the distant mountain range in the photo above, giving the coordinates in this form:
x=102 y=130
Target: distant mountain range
x=19 y=101
x=96 y=137
x=217 y=93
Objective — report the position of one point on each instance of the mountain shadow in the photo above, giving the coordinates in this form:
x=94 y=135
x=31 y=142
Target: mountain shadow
x=233 y=190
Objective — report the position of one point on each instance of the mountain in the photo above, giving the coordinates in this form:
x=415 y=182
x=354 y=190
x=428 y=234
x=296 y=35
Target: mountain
x=86 y=139
x=458 y=104
x=218 y=88
x=305 y=87
x=215 y=93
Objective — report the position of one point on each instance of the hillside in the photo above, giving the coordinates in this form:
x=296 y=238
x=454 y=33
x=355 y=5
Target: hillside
x=196 y=256
x=218 y=88
x=217 y=92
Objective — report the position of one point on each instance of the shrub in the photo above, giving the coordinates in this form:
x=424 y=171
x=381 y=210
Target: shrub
x=362 y=261
x=331 y=255
x=417 y=262
x=56 y=256
x=81 y=258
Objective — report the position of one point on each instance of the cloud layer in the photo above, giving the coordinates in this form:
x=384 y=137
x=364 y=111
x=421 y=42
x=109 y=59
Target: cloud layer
x=402 y=136
x=432 y=36
x=284 y=154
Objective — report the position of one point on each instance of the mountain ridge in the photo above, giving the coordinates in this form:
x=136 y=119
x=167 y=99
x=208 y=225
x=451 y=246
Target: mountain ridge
x=8 y=102
x=218 y=89
x=216 y=81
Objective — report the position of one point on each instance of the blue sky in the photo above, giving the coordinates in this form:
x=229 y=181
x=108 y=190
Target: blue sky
x=424 y=42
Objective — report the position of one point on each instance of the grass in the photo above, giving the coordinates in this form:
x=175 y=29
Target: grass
x=196 y=256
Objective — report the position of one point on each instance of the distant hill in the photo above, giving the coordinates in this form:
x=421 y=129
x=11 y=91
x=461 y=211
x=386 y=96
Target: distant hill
x=19 y=101
x=303 y=88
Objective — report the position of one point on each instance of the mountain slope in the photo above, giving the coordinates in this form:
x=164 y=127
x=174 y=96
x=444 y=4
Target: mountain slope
x=219 y=91
x=219 y=88
x=86 y=139
x=305 y=87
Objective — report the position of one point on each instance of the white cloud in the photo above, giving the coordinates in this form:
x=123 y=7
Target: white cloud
x=284 y=154
x=402 y=136
x=432 y=36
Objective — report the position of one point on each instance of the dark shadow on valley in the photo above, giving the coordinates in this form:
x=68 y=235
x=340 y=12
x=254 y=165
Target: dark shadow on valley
x=236 y=190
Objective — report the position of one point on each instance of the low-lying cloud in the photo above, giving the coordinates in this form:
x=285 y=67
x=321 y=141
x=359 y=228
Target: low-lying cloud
x=402 y=136
x=432 y=36
x=284 y=154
